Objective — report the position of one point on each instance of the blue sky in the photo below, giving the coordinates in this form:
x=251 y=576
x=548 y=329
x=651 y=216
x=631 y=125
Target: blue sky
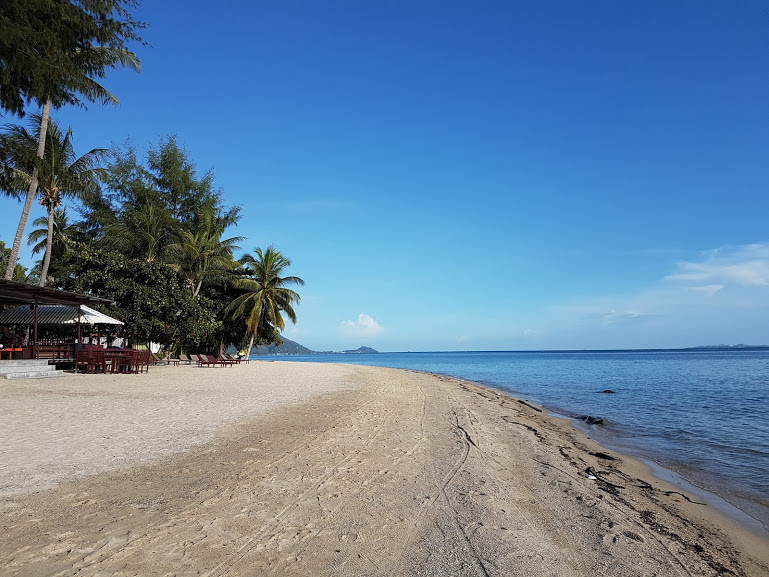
x=476 y=175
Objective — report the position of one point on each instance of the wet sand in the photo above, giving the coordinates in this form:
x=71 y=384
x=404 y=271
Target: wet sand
x=307 y=469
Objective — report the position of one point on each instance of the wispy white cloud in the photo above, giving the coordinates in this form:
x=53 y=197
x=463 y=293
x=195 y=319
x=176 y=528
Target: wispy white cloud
x=614 y=316
x=708 y=290
x=717 y=296
x=363 y=326
x=746 y=265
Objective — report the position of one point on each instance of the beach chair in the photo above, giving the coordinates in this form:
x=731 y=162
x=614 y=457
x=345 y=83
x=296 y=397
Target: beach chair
x=183 y=358
x=124 y=362
x=240 y=359
x=208 y=360
x=233 y=359
x=82 y=361
x=142 y=362
x=156 y=360
x=98 y=362
x=225 y=361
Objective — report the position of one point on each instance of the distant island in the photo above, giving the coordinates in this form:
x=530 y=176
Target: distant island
x=289 y=347
x=752 y=347
x=360 y=351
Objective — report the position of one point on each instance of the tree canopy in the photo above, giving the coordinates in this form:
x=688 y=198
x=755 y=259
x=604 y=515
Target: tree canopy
x=52 y=50
x=148 y=296
x=153 y=237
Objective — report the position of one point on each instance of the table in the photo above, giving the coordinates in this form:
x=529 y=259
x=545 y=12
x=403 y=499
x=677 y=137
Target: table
x=10 y=352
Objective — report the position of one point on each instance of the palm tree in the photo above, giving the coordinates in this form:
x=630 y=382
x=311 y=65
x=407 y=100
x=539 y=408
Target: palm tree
x=202 y=253
x=140 y=233
x=266 y=296
x=59 y=174
x=109 y=56
x=63 y=232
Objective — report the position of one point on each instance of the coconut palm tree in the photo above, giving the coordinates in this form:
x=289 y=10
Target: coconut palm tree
x=64 y=231
x=106 y=57
x=267 y=295
x=59 y=174
x=201 y=253
x=142 y=233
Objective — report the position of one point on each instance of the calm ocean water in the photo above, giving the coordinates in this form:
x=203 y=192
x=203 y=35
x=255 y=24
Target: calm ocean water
x=702 y=413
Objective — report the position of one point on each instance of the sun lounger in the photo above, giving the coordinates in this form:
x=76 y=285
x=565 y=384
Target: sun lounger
x=156 y=360
x=209 y=360
x=229 y=357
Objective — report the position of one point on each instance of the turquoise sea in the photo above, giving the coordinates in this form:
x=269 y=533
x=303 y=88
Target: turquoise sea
x=702 y=413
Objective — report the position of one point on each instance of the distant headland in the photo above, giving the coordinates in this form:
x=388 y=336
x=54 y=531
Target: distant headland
x=289 y=347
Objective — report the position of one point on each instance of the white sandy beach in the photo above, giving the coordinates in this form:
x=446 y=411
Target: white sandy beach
x=278 y=468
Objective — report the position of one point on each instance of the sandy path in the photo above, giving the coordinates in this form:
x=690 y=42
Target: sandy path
x=304 y=469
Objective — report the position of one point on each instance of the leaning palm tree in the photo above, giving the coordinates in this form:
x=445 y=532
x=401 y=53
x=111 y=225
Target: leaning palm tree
x=266 y=296
x=108 y=57
x=59 y=174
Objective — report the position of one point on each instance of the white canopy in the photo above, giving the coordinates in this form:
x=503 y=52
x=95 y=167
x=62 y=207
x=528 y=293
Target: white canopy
x=55 y=315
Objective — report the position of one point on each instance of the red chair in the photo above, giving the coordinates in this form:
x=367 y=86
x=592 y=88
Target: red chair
x=82 y=361
x=124 y=362
x=98 y=362
x=143 y=361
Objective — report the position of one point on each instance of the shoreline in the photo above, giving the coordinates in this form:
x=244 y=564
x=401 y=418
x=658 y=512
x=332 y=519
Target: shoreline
x=749 y=509
x=669 y=473
x=664 y=473
x=297 y=468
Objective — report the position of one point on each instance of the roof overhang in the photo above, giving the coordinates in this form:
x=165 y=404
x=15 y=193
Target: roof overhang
x=56 y=315
x=17 y=293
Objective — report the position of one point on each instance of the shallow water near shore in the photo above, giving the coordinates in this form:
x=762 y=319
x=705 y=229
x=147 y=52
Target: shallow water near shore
x=699 y=412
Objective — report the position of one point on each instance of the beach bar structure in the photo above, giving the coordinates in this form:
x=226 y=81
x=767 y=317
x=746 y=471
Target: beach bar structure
x=70 y=308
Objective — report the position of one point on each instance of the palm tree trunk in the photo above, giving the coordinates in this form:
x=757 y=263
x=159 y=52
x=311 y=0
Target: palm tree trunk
x=250 y=344
x=197 y=288
x=31 y=192
x=48 y=248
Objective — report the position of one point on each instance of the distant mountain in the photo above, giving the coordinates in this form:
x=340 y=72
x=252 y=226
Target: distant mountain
x=288 y=347
x=361 y=351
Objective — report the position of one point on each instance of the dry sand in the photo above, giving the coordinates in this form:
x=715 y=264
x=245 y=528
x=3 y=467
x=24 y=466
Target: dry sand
x=315 y=470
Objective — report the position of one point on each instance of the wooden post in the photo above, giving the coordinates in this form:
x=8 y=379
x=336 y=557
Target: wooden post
x=34 y=338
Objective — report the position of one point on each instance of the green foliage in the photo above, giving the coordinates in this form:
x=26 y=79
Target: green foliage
x=153 y=205
x=176 y=182
x=64 y=232
x=203 y=254
x=52 y=50
x=19 y=272
x=149 y=298
x=60 y=173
